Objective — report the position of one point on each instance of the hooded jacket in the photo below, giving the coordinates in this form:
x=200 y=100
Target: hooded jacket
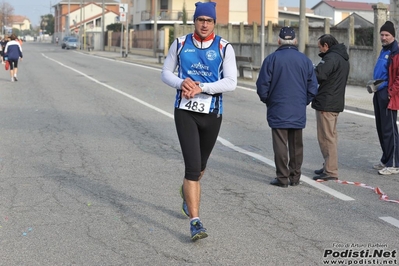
x=13 y=50
x=393 y=80
x=332 y=74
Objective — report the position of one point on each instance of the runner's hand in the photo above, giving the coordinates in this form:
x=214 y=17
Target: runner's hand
x=190 y=88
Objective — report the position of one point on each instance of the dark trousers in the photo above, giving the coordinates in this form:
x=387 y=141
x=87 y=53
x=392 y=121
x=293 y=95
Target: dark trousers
x=288 y=153
x=197 y=136
x=387 y=130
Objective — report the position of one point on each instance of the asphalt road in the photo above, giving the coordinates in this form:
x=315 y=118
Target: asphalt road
x=90 y=169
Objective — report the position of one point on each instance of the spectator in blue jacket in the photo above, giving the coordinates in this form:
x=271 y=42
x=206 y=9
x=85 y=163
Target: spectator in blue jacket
x=13 y=51
x=287 y=84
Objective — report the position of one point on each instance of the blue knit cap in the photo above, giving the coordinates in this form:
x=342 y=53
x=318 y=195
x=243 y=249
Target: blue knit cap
x=205 y=9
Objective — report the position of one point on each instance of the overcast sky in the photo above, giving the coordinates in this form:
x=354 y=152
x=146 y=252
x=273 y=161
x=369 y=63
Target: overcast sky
x=312 y=3
x=33 y=9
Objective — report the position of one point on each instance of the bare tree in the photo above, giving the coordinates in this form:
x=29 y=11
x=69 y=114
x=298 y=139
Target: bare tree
x=6 y=12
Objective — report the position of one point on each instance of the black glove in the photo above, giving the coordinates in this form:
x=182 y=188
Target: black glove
x=374 y=84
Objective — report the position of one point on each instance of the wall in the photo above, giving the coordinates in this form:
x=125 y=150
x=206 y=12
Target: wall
x=245 y=40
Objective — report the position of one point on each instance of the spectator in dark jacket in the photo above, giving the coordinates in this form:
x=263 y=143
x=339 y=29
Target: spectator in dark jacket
x=3 y=43
x=332 y=74
x=287 y=84
x=13 y=51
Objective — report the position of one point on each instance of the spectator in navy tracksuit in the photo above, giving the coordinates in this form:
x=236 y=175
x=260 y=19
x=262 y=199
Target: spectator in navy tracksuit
x=13 y=51
x=287 y=84
x=384 y=98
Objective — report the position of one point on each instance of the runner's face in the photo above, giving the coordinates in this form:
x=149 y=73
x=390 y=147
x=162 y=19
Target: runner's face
x=204 y=26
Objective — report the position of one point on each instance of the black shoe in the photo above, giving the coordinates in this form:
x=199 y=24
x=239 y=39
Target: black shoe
x=276 y=182
x=319 y=172
x=294 y=183
x=324 y=177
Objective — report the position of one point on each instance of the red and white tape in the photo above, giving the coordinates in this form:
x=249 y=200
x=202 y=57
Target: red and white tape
x=377 y=190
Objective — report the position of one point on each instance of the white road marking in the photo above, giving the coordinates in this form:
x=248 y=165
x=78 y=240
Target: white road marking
x=121 y=61
x=245 y=88
x=223 y=141
x=359 y=114
x=304 y=178
x=345 y=110
x=391 y=220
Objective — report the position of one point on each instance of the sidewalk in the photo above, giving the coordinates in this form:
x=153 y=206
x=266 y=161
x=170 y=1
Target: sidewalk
x=356 y=97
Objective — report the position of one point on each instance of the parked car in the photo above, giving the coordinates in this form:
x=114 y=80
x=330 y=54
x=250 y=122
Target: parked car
x=63 y=42
x=72 y=43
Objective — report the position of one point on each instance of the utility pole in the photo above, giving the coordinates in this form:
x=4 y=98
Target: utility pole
x=155 y=27
x=84 y=28
x=262 y=32
x=69 y=13
x=127 y=34
x=80 y=26
x=302 y=26
x=102 y=28
x=122 y=54
x=123 y=8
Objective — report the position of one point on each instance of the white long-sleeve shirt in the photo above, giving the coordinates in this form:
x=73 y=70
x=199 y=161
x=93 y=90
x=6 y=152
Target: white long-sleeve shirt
x=227 y=83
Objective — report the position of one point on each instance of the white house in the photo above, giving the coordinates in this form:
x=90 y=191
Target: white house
x=339 y=10
x=72 y=17
x=20 y=22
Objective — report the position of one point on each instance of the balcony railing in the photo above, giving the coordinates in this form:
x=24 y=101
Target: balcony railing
x=165 y=15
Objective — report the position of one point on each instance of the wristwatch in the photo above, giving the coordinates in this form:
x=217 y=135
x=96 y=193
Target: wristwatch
x=201 y=85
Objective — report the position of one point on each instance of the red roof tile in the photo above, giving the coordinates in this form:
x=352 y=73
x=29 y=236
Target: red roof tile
x=356 y=6
x=18 y=19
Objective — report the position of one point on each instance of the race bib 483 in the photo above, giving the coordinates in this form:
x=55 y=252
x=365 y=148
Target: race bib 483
x=200 y=103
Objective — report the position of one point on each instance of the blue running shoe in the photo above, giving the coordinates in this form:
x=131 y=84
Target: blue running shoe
x=184 y=208
x=197 y=230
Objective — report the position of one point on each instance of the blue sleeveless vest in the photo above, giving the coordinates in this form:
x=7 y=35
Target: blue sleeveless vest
x=204 y=65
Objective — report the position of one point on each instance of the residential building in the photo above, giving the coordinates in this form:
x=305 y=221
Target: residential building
x=359 y=22
x=294 y=9
x=170 y=12
x=339 y=10
x=84 y=15
x=293 y=17
x=20 y=22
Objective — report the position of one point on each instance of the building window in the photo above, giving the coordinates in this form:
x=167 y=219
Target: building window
x=164 y=4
